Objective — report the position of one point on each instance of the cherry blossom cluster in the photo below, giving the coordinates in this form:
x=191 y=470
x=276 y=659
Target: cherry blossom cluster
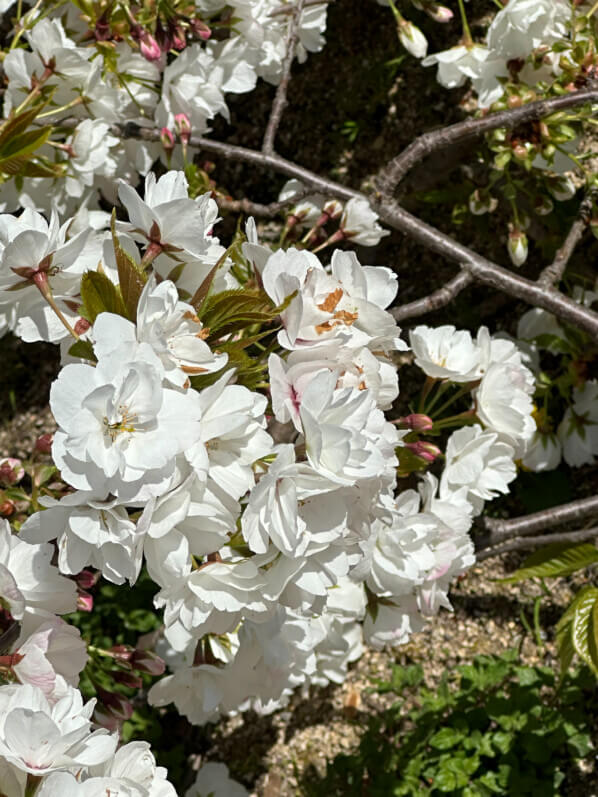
x=104 y=66
x=269 y=510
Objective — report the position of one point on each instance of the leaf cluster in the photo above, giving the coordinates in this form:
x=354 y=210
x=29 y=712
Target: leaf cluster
x=493 y=727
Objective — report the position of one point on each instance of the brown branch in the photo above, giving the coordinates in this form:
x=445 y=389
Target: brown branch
x=250 y=208
x=553 y=273
x=528 y=543
x=500 y=530
x=487 y=272
x=289 y=9
x=481 y=269
x=436 y=300
x=280 y=99
x=391 y=175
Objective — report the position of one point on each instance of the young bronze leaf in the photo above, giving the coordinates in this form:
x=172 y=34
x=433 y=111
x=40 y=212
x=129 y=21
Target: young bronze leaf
x=130 y=277
x=100 y=295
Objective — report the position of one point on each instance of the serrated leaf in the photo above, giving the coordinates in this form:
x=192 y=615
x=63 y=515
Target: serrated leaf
x=564 y=629
x=131 y=278
x=236 y=309
x=583 y=633
x=558 y=559
x=17 y=124
x=25 y=143
x=100 y=295
x=201 y=294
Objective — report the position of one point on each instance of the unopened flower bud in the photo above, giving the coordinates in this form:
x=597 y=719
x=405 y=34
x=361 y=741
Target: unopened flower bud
x=520 y=151
x=147 y=661
x=86 y=579
x=200 y=29
x=81 y=326
x=438 y=13
x=11 y=471
x=128 y=679
x=84 y=602
x=183 y=127
x=43 y=444
x=561 y=188
x=167 y=139
x=425 y=450
x=412 y=39
x=179 y=41
x=481 y=202
x=116 y=704
x=7 y=507
x=122 y=652
x=417 y=422
x=149 y=47
x=514 y=101
x=543 y=205
x=517 y=246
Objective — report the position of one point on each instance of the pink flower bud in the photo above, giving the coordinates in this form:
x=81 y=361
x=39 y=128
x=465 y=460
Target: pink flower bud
x=117 y=705
x=179 y=41
x=425 y=450
x=84 y=602
x=11 y=471
x=86 y=579
x=81 y=326
x=105 y=719
x=128 y=679
x=7 y=508
x=183 y=127
x=122 y=652
x=200 y=29
x=149 y=47
x=417 y=422
x=147 y=661
x=43 y=444
x=167 y=139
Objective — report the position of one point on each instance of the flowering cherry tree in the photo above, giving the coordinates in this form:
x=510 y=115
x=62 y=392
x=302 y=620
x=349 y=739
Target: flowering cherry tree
x=229 y=416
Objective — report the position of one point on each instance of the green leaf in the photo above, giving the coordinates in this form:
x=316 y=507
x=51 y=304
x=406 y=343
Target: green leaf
x=558 y=559
x=83 y=349
x=100 y=295
x=131 y=278
x=25 y=143
x=201 y=294
x=584 y=628
x=233 y=310
x=445 y=738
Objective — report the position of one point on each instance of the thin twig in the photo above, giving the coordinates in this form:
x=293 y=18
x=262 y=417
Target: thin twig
x=528 y=543
x=391 y=175
x=481 y=269
x=553 y=273
x=280 y=99
x=500 y=530
x=289 y=9
x=436 y=300
x=250 y=208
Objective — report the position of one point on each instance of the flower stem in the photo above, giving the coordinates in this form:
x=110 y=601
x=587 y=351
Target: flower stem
x=40 y=280
x=467 y=39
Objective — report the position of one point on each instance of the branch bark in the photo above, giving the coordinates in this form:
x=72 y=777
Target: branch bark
x=391 y=175
x=498 y=531
x=553 y=273
x=528 y=543
x=436 y=300
x=280 y=99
